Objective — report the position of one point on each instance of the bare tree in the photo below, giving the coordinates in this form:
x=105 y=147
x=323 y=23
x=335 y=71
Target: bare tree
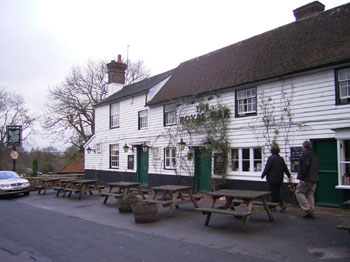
x=13 y=113
x=136 y=71
x=69 y=110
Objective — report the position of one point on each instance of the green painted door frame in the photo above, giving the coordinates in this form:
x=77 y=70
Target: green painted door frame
x=326 y=194
x=202 y=170
x=142 y=166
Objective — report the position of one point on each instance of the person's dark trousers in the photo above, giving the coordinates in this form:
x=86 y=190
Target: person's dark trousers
x=275 y=193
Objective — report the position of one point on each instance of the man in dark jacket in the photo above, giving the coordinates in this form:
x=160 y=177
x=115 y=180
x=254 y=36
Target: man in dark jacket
x=274 y=171
x=308 y=178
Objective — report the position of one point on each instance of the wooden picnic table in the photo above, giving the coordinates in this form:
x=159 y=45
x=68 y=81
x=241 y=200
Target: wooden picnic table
x=248 y=197
x=80 y=186
x=173 y=196
x=46 y=184
x=124 y=188
x=63 y=183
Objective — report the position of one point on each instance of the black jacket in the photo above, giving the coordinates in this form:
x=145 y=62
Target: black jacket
x=274 y=169
x=308 y=167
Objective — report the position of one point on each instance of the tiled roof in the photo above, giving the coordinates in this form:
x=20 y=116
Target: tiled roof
x=136 y=88
x=76 y=165
x=319 y=40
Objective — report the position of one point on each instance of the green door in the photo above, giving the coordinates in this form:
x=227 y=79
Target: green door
x=326 y=194
x=202 y=170
x=142 y=166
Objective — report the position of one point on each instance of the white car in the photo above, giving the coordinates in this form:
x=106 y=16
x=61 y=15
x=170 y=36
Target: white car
x=12 y=183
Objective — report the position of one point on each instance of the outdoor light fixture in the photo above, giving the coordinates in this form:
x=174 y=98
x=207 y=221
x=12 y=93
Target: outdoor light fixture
x=126 y=148
x=145 y=147
x=182 y=144
x=89 y=149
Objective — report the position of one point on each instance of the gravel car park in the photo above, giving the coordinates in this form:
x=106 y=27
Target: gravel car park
x=12 y=183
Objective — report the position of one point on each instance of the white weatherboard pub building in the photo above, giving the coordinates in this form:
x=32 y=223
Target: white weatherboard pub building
x=287 y=85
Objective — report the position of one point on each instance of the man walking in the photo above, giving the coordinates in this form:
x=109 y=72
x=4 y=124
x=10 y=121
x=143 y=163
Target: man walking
x=308 y=178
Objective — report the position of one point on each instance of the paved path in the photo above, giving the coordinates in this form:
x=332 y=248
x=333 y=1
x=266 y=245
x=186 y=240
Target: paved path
x=289 y=238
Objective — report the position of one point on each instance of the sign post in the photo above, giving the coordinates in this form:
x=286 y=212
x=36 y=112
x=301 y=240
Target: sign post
x=14 y=138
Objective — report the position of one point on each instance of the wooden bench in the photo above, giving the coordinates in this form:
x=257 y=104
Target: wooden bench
x=143 y=190
x=108 y=194
x=344 y=227
x=196 y=197
x=257 y=202
x=96 y=187
x=58 y=189
x=235 y=213
x=70 y=190
x=39 y=188
x=164 y=203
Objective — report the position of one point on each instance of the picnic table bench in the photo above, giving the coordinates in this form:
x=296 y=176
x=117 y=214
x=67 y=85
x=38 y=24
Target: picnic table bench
x=248 y=197
x=62 y=184
x=173 y=196
x=108 y=194
x=257 y=202
x=80 y=186
x=124 y=188
x=46 y=184
x=235 y=213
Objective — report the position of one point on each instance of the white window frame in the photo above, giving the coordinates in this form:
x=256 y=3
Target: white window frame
x=114 y=155
x=246 y=101
x=143 y=119
x=170 y=158
x=252 y=161
x=98 y=147
x=114 y=115
x=344 y=83
x=170 y=114
x=343 y=180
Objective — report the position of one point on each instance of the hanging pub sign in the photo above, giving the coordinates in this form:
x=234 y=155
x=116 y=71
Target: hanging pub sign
x=14 y=135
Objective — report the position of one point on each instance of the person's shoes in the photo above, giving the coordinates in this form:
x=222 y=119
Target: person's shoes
x=283 y=209
x=309 y=214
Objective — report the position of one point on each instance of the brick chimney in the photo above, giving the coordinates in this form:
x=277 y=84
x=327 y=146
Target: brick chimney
x=308 y=9
x=116 y=75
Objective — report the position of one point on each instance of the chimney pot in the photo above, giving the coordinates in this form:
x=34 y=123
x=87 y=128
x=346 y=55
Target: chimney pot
x=308 y=9
x=119 y=58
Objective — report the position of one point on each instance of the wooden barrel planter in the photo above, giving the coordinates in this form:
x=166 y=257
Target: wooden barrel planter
x=145 y=212
x=125 y=203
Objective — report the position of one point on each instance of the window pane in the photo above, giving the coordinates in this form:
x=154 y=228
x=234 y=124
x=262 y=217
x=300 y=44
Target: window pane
x=114 y=108
x=345 y=173
x=347 y=150
x=245 y=159
x=344 y=74
x=257 y=160
x=234 y=160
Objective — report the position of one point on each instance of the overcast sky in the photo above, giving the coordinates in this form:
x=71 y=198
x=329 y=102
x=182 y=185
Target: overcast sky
x=41 y=40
